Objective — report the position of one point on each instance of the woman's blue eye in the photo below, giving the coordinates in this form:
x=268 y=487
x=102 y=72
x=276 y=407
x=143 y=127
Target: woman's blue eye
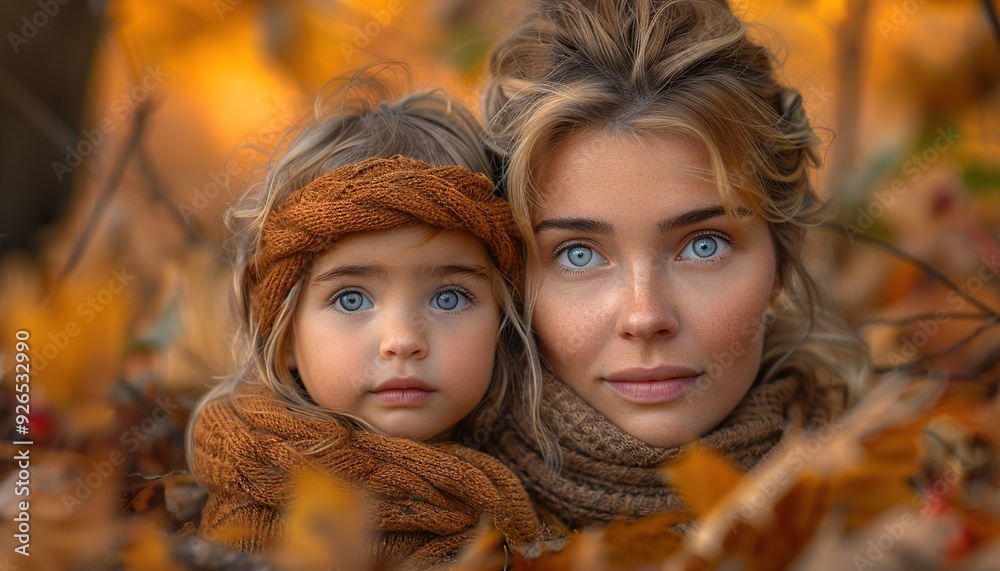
x=578 y=257
x=352 y=301
x=705 y=247
x=449 y=300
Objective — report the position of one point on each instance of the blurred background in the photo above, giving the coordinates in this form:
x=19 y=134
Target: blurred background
x=119 y=124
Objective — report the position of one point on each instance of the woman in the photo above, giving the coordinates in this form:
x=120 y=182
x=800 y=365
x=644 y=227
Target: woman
x=660 y=174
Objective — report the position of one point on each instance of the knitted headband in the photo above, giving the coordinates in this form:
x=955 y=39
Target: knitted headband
x=374 y=194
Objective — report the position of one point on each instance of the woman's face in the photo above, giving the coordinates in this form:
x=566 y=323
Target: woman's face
x=651 y=298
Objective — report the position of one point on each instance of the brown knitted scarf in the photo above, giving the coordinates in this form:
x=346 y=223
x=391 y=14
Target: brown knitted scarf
x=428 y=499
x=371 y=195
x=608 y=474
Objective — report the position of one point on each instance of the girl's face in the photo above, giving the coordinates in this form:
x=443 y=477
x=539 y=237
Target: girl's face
x=651 y=298
x=399 y=328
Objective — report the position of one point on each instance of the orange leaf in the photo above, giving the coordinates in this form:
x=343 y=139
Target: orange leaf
x=322 y=526
x=702 y=477
x=645 y=542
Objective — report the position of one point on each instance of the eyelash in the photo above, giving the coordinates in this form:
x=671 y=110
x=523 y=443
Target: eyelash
x=713 y=260
x=714 y=234
x=461 y=290
x=341 y=292
x=566 y=246
x=346 y=290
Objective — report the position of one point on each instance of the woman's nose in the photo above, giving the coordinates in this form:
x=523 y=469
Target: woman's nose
x=404 y=336
x=646 y=311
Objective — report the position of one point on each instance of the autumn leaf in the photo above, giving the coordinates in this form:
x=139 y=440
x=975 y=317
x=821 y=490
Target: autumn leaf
x=702 y=477
x=149 y=550
x=325 y=526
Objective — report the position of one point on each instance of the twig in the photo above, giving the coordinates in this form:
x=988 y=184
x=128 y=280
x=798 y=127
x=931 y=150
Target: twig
x=904 y=320
x=991 y=15
x=130 y=145
x=853 y=31
x=943 y=352
x=926 y=267
x=35 y=110
x=192 y=235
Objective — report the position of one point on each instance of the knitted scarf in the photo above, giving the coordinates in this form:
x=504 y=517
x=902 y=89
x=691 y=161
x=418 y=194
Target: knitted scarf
x=428 y=499
x=608 y=474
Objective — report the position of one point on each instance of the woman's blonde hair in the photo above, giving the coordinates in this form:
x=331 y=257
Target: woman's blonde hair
x=648 y=67
x=358 y=117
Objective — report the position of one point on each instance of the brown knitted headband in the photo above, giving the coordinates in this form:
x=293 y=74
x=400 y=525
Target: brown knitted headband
x=375 y=194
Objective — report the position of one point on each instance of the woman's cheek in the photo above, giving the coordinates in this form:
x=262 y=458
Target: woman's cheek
x=568 y=325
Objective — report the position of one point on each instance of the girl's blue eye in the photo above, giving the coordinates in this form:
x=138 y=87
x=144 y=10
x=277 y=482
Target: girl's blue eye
x=352 y=301
x=579 y=257
x=449 y=300
x=705 y=247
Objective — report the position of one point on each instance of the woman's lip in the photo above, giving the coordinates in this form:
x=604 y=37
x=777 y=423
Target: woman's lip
x=661 y=373
x=652 y=385
x=652 y=391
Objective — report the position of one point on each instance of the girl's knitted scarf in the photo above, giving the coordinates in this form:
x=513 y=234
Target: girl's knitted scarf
x=428 y=500
x=608 y=474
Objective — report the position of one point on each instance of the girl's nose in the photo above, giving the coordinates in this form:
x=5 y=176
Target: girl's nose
x=645 y=311
x=405 y=336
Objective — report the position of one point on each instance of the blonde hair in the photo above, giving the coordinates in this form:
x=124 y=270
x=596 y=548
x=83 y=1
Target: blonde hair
x=688 y=67
x=359 y=117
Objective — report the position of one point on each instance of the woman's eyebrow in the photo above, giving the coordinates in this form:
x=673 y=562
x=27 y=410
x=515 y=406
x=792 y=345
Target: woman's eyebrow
x=690 y=217
x=349 y=271
x=576 y=224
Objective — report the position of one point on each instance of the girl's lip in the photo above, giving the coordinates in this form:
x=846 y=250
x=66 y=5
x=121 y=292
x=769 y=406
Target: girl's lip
x=402 y=383
x=403 y=391
x=653 y=385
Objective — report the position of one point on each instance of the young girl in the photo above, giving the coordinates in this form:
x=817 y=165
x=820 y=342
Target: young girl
x=378 y=315
x=660 y=174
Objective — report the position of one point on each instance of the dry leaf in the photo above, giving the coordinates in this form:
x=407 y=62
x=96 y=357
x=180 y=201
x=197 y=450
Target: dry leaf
x=702 y=477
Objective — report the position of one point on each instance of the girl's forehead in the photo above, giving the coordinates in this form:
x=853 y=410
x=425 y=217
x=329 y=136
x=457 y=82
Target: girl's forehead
x=412 y=245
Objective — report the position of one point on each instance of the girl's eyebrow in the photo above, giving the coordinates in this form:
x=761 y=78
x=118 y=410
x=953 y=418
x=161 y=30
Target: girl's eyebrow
x=350 y=271
x=577 y=224
x=438 y=271
x=430 y=271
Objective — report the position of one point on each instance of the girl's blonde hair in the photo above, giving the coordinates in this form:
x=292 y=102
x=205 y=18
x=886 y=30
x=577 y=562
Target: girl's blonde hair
x=648 y=67
x=359 y=117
